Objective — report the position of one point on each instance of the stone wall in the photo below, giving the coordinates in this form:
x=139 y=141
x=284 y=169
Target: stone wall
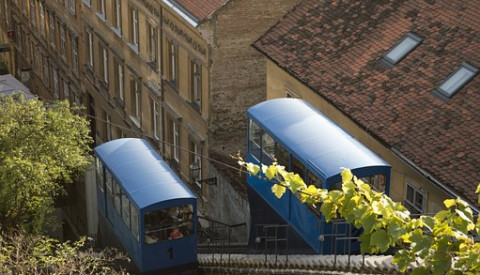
x=227 y=205
x=238 y=71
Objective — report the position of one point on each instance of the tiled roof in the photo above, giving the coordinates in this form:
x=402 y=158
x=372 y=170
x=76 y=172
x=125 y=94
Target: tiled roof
x=335 y=48
x=200 y=9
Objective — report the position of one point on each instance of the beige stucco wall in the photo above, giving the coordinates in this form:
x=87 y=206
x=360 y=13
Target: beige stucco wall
x=279 y=82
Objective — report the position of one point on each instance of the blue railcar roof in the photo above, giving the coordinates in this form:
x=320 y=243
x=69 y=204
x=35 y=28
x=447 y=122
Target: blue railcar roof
x=141 y=171
x=312 y=137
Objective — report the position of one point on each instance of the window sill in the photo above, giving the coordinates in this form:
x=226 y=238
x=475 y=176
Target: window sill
x=195 y=106
x=119 y=102
x=134 y=47
x=101 y=16
x=135 y=121
x=172 y=84
x=103 y=84
x=153 y=65
x=117 y=31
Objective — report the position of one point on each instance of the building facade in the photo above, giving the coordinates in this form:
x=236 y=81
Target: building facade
x=176 y=73
x=211 y=75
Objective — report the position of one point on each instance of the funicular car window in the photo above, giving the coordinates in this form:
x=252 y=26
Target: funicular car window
x=108 y=184
x=282 y=156
x=168 y=224
x=116 y=196
x=99 y=172
x=255 y=136
x=377 y=182
x=126 y=209
x=268 y=148
x=312 y=179
x=134 y=220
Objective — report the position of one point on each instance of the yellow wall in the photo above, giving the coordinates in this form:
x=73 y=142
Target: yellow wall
x=279 y=82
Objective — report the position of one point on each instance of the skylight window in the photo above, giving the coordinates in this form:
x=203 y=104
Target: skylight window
x=456 y=80
x=404 y=47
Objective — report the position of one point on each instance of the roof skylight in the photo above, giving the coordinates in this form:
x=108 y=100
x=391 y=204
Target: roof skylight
x=404 y=47
x=456 y=80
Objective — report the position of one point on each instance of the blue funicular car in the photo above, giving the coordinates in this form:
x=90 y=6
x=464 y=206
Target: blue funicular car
x=145 y=206
x=305 y=141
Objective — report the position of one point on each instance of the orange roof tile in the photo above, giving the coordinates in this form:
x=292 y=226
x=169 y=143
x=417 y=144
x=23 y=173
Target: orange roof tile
x=200 y=9
x=336 y=50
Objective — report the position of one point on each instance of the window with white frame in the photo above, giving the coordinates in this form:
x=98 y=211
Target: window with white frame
x=108 y=126
x=24 y=6
x=90 y=48
x=45 y=71
x=119 y=80
x=105 y=64
x=152 y=45
x=117 y=16
x=134 y=27
x=74 y=46
x=101 y=8
x=71 y=5
x=77 y=99
x=173 y=63
x=290 y=94
x=51 y=27
x=66 y=90
x=155 y=119
x=42 y=18
x=196 y=85
x=196 y=159
x=176 y=141
x=63 y=43
x=33 y=16
x=135 y=98
x=414 y=199
x=55 y=83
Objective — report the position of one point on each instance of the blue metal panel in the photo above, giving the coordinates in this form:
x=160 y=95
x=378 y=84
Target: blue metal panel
x=171 y=253
x=141 y=171
x=313 y=138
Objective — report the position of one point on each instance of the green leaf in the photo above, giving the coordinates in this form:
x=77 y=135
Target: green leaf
x=380 y=239
x=271 y=172
x=365 y=243
x=441 y=263
x=402 y=259
x=462 y=215
x=297 y=184
x=396 y=230
x=252 y=168
x=450 y=203
x=441 y=215
x=420 y=271
x=428 y=221
x=348 y=187
x=328 y=209
x=278 y=190
x=346 y=175
x=368 y=221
